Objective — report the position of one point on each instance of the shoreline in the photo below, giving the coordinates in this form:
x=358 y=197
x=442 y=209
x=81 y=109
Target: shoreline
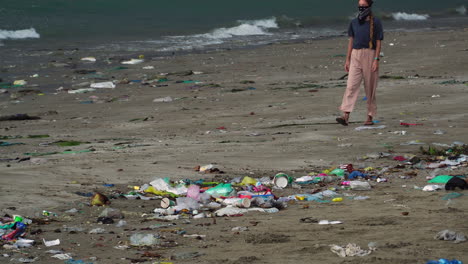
x=306 y=34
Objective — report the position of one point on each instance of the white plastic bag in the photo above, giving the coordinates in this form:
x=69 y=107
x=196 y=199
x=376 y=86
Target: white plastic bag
x=360 y=186
x=110 y=85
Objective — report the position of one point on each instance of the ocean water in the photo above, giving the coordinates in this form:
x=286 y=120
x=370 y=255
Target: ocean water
x=187 y=24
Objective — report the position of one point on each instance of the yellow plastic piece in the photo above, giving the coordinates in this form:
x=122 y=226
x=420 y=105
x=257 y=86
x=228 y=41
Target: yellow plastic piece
x=248 y=181
x=338 y=199
x=152 y=190
x=300 y=198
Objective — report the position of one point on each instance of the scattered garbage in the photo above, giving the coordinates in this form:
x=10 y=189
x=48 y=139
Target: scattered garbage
x=326 y=222
x=190 y=201
x=121 y=223
x=456 y=182
x=51 y=243
x=449 y=235
x=166 y=99
x=282 y=180
x=444 y=261
x=82 y=90
x=100 y=199
x=361 y=128
x=7 y=144
x=441 y=179
x=133 y=61
x=432 y=187
x=62 y=256
x=110 y=85
x=240 y=229
x=410 y=124
x=112 y=213
x=360 y=186
x=451 y=196
x=412 y=142
x=350 y=250
x=18 y=117
x=97 y=231
x=139 y=240
x=20 y=82
x=90 y=59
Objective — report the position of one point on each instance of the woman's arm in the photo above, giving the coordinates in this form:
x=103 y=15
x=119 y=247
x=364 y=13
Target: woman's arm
x=378 y=47
x=348 y=55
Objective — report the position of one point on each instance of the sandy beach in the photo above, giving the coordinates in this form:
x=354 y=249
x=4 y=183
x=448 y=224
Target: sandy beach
x=250 y=112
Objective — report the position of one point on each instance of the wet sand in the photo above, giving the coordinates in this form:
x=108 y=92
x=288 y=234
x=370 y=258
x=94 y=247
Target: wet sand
x=255 y=113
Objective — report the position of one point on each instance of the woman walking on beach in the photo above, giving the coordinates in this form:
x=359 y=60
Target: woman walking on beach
x=362 y=61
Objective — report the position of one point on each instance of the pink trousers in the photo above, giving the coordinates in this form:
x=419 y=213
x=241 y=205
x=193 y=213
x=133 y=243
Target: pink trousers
x=359 y=69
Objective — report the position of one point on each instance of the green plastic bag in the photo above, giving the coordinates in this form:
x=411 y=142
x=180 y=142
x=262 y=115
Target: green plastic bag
x=442 y=179
x=222 y=189
x=338 y=172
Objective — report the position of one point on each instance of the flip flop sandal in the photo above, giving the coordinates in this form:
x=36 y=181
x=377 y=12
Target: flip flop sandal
x=369 y=124
x=342 y=121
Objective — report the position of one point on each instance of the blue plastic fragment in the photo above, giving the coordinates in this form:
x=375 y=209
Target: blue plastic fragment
x=356 y=174
x=444 y=261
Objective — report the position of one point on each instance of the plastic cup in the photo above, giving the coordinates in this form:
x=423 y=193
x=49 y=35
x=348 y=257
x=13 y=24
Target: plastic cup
x=282 y=180
x=166 y=203
x=238 y=202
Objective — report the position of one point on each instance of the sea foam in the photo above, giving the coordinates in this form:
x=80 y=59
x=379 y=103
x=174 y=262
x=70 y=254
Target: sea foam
x=406 y=16
x=461 y=10
x=220 y=35
x=246 y=28
x=19 y=34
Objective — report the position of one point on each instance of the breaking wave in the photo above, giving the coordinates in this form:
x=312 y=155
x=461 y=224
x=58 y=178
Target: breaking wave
x=406 y=16
x=220 y=35
x=19 y=34
x=246 y=28
x=461 y=10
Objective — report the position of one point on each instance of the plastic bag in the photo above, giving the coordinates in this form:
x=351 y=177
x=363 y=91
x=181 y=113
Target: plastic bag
x=449 y=235
x=163 y=185
x=360 y=186
x=193 y=192
x=230 y=211
x=248 y=181
x=186 y=203
x=350 y=250
x=143 y=240
x=110 y=85
x=222 y=189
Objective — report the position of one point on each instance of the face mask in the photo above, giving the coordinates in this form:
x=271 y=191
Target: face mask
x=362 y=8
x=364 y=12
